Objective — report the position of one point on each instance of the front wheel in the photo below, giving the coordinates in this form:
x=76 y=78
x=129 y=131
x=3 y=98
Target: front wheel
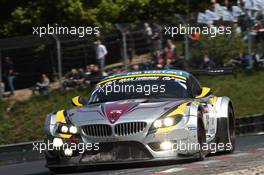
x=231 y=130
x=201 y=138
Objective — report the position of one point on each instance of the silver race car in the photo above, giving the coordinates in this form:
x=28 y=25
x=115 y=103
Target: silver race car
x=139 y=117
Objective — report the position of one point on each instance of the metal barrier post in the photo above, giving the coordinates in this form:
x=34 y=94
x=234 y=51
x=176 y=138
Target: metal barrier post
x=1 y=89
x=124 y=49
x=124 y=43
x=186 y=40
x=58 y=45
x=249 y=43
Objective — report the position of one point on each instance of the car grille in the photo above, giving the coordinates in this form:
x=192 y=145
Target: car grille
x=124 y=129
x=99 y=130
x=117 y=151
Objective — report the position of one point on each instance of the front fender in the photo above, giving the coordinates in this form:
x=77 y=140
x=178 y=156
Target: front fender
x=50 y=125
x=222 y=105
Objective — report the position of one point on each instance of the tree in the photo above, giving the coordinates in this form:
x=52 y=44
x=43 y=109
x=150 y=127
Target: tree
x=18 y=17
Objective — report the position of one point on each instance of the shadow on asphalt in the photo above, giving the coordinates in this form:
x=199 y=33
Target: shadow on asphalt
x=111 y=167
x=123 y=166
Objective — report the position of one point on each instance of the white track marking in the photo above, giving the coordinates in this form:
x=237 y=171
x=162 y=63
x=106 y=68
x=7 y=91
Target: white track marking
x=172 y=170
x=208 y=162
x=260 y=149
x=238 y=154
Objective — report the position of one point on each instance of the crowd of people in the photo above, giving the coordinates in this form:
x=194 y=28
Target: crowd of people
x=82 y=77
x=164 y=55
x=249 y=25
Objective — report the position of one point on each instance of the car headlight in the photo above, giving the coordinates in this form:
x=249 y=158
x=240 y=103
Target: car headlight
x=67 y=129
x=167 y=121
x=64 y=129
x=157 y=124
x=73 y=130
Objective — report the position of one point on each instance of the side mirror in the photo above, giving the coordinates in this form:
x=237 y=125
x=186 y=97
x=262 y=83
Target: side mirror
x=205 y=91
x=78 y=101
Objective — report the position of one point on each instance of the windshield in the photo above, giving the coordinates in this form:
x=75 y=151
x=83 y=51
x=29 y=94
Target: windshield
x=139 y=87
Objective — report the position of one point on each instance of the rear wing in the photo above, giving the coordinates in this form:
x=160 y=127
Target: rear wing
x=213 y=72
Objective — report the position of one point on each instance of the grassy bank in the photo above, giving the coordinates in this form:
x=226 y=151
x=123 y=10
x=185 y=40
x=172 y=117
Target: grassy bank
x=25 y=121
x=245 y=90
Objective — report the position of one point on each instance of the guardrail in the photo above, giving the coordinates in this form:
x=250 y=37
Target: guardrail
x=23 y=152
x=20 y=152
x=251 y=124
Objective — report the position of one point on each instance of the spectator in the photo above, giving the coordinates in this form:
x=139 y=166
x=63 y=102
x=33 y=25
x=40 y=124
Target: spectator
x=87 y=71
x=87 y=76
x=168 y=53
x=148 y=33
x=156 y=38
x=194 y=38
x=247 y=62
x=147 y=30
x=101 y=52
x=43 y=86
x=130 y=44
x=207 y=62
x=95 y=71
x=9 y=73
x=168 y=65
x=160 y=63
x=237 y=29
x=3 y=87
x=72 y=79
x=157 y=55
x=257 y=61
x=135 y=67
x=213 y=5
x=171 y=46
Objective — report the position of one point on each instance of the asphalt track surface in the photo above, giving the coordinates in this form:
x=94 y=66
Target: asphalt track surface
x=249 y=153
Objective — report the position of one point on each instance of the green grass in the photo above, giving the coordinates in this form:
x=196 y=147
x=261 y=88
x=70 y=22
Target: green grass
x=25 y=121
x=246 y=91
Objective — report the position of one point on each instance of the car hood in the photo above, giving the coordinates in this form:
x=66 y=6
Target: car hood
x=122 y=111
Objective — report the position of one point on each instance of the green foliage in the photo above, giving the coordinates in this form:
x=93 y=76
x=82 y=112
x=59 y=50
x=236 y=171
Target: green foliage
x=221 y=48
x=18 y=18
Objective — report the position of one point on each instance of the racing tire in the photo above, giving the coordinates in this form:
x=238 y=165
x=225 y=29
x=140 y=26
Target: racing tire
x=201 y=137
x=231 y=129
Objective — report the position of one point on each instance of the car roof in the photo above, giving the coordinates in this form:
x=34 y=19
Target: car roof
x=174 y=73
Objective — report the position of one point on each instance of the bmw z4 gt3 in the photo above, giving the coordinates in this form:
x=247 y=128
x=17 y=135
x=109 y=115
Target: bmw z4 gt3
x=141 y=116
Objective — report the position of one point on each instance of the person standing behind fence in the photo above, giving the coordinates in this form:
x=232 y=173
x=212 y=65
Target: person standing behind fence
x=148 y=33
x=101 y=52
x=3 y=87
x=9 y=73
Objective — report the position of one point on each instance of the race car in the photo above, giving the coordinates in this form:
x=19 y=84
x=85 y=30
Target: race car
x=142 y=116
